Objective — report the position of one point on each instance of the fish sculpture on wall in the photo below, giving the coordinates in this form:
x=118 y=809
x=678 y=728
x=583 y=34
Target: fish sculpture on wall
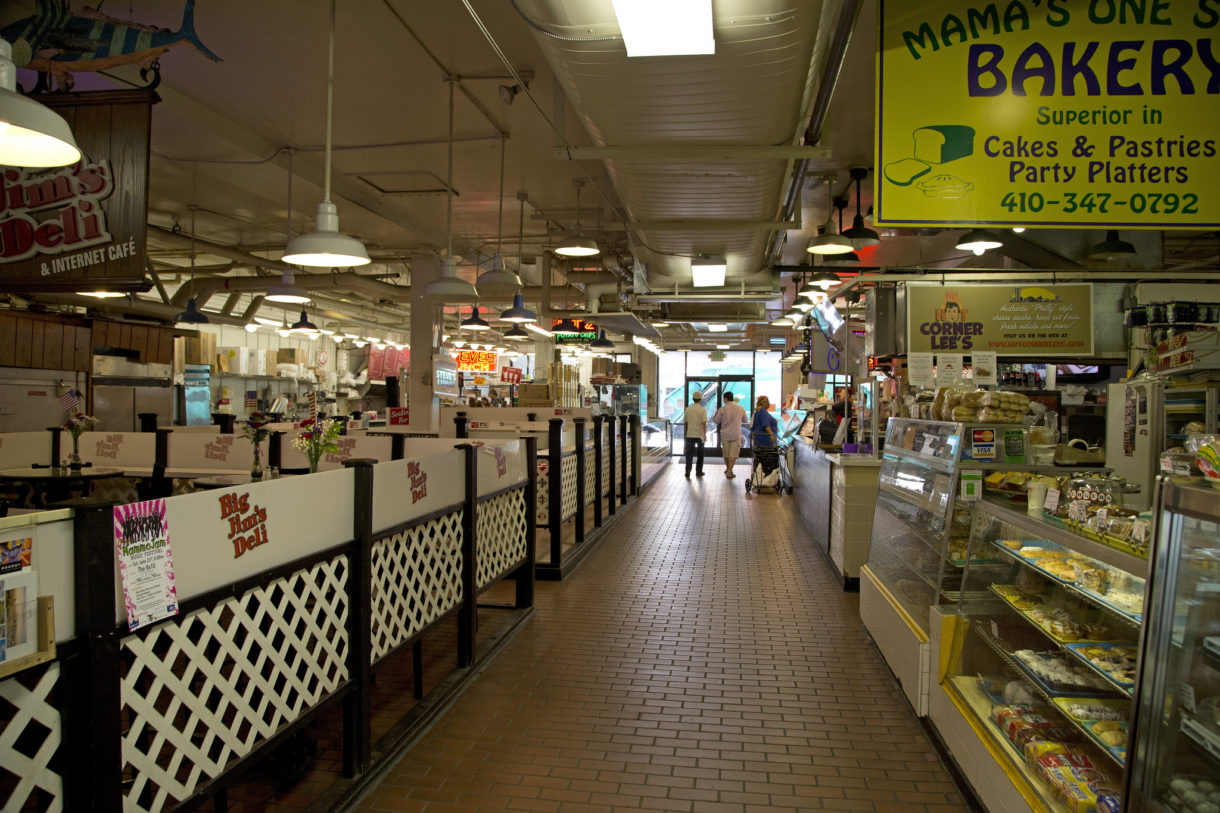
x=57 y=41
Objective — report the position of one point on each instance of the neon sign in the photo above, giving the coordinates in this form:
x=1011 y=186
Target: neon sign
x=573 y=331
x=476 y=361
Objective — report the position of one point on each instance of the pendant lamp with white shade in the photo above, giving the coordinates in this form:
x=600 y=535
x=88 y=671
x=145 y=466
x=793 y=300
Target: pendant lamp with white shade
x=499 y=280
x=31 y=134
x=326 y=246
x=576 y=244
x=829 y=241
x=448 y=287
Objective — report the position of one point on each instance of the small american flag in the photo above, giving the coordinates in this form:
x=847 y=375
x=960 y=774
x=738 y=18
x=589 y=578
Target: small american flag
x=313 y=405
x=251 y=399
x=69 y=400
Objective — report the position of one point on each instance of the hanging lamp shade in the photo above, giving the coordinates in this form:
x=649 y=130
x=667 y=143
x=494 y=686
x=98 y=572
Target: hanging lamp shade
x=783 y=321
x=577 y=245
x=303 y=325
x=978 y=241
x=31 y=134
x=448 y=287
x=516 y=334
x=475 y=321
x=859 y=234
x=602 y=343
x=192 y=315
x=829 y=241
x=287 y=291
x=326 y=246
x=824 y=280
x=518 y=312
x=498 y=280
x=1111 y=248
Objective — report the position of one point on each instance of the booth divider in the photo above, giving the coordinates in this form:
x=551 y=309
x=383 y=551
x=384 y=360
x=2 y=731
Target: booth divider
x=175 y=711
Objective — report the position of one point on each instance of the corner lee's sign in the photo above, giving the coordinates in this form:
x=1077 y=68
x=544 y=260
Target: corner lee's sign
x=1011 y=320
x=1054 y=112
x=82 y=227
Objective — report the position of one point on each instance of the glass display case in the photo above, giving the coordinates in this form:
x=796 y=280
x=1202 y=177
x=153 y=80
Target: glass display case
x=1045 y=651
x=1176 y=767
x=623 y=399
x=917 y=521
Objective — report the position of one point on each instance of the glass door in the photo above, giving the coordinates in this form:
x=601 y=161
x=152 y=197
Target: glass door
x=713 y=390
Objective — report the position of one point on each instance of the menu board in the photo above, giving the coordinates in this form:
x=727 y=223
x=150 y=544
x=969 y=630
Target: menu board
x=1010 y=320
x=1057 y=113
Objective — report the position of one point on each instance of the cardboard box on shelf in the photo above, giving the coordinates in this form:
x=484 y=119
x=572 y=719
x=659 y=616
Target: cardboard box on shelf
x=266 y=362
x=288 y=355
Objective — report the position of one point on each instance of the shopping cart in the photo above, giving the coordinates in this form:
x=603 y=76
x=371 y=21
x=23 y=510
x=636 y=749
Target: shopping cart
x=767 y=462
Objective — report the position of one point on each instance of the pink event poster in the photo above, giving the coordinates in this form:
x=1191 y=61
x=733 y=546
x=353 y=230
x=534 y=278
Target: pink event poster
x=141 y=539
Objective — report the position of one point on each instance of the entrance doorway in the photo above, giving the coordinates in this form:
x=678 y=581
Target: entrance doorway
x=713 y=389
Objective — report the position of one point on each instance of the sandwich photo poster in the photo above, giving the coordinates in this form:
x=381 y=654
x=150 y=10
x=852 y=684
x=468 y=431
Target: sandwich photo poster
x=18 y=598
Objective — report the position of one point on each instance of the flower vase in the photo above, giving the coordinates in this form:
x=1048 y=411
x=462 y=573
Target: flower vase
x=74 y=461
x=313 y=465
x=256 y=468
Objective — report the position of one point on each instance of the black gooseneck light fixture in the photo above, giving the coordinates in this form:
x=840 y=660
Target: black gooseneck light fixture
x=859 y=234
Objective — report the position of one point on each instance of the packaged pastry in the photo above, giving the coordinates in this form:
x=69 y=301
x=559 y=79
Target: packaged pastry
x=1002 y=713
x=1034 y=749
x=938 y=403
x=1091 y=577
x=974 y=400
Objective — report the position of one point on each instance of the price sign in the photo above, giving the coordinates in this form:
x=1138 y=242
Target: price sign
x=1052 y=500
x=511 y=375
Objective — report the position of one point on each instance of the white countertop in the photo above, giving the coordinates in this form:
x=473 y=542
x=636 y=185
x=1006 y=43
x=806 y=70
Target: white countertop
x=853 y=459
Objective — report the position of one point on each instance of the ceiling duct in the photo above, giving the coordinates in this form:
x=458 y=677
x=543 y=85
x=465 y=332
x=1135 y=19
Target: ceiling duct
x=716 y=312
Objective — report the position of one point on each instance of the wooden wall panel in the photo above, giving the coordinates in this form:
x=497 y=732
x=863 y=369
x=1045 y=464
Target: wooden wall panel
x=8 y=340
x=38 y=336
x=25 y=331
x=165 y=347
x=82 y=358
x=139 y=341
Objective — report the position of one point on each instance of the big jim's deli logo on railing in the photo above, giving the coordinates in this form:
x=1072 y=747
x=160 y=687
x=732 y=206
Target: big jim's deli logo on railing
x=67 y=202
x=247 y=522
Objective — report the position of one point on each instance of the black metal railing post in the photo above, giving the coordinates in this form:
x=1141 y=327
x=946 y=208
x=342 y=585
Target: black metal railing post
x=398 y=447
x=358 y=704
x=94 y=701
x=463 y=425
x=597 y=468
x=634 y=440
x=580 y=479
x=275 y=449
x=554 y=517
x=467 y=618
x=525 y=575
x=56 y=444
x=612 y=451
x=626 y=456
x=161 y=448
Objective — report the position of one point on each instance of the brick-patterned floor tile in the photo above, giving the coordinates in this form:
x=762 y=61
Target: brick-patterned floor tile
x=701 y=659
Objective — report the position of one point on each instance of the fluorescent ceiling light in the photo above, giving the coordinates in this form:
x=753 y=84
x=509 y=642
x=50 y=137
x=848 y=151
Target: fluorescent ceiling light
x=540 y=331
x=666 y=28
x=263 y=320
x=660 y=324
x=722 y=347
x=101 y=294
x=716 y=327
x=707 y=273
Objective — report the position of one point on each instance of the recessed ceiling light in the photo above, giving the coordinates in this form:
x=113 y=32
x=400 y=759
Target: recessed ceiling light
x=671 y=28
x=714 y=327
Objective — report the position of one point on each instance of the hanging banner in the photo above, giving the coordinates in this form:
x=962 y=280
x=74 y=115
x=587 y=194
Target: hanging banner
x=141 y=539
x=82 y=227
x=1059 y=113
x=1011 y=320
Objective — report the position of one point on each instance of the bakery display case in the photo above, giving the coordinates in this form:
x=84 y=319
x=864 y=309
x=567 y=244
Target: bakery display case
x=1176 y=763
x=1043 y=656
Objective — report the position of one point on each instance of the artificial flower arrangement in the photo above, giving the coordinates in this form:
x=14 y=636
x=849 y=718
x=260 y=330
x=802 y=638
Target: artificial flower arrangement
x=316 y=439
x=76 y=426
x=254 y=429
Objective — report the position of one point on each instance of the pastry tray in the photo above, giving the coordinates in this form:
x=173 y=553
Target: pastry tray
x=1075 y=646
x=1207 y=740
x=1025 y=615
x=1118 y=752
x=1089 y=594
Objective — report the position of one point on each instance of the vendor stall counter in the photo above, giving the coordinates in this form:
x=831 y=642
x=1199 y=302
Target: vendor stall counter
x=836 y=496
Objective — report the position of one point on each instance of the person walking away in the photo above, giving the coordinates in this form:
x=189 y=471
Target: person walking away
x=764 y=426
x=729 y=419
x=695 y=419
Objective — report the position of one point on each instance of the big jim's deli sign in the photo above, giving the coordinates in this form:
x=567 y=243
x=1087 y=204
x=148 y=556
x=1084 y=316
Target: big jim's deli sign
x=81 y=227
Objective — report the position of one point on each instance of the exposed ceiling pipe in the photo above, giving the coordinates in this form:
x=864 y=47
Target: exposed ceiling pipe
x=347 y=281
x=844 y=26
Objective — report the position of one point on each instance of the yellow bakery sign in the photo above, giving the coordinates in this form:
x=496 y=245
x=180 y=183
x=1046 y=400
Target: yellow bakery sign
x=1054 y=112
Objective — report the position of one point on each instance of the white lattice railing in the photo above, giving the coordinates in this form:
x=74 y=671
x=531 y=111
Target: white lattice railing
x=502 y=526
x=416 y=579
x=542 y=509
x=606 y=473
x=30 y=718
x=567 y=489
x=590 y=476
x=204 y=690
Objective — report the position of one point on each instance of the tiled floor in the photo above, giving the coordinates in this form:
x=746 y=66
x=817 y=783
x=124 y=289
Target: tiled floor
x=702 y=659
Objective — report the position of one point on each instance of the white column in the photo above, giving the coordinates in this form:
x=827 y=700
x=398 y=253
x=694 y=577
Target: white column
x=425 y=338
